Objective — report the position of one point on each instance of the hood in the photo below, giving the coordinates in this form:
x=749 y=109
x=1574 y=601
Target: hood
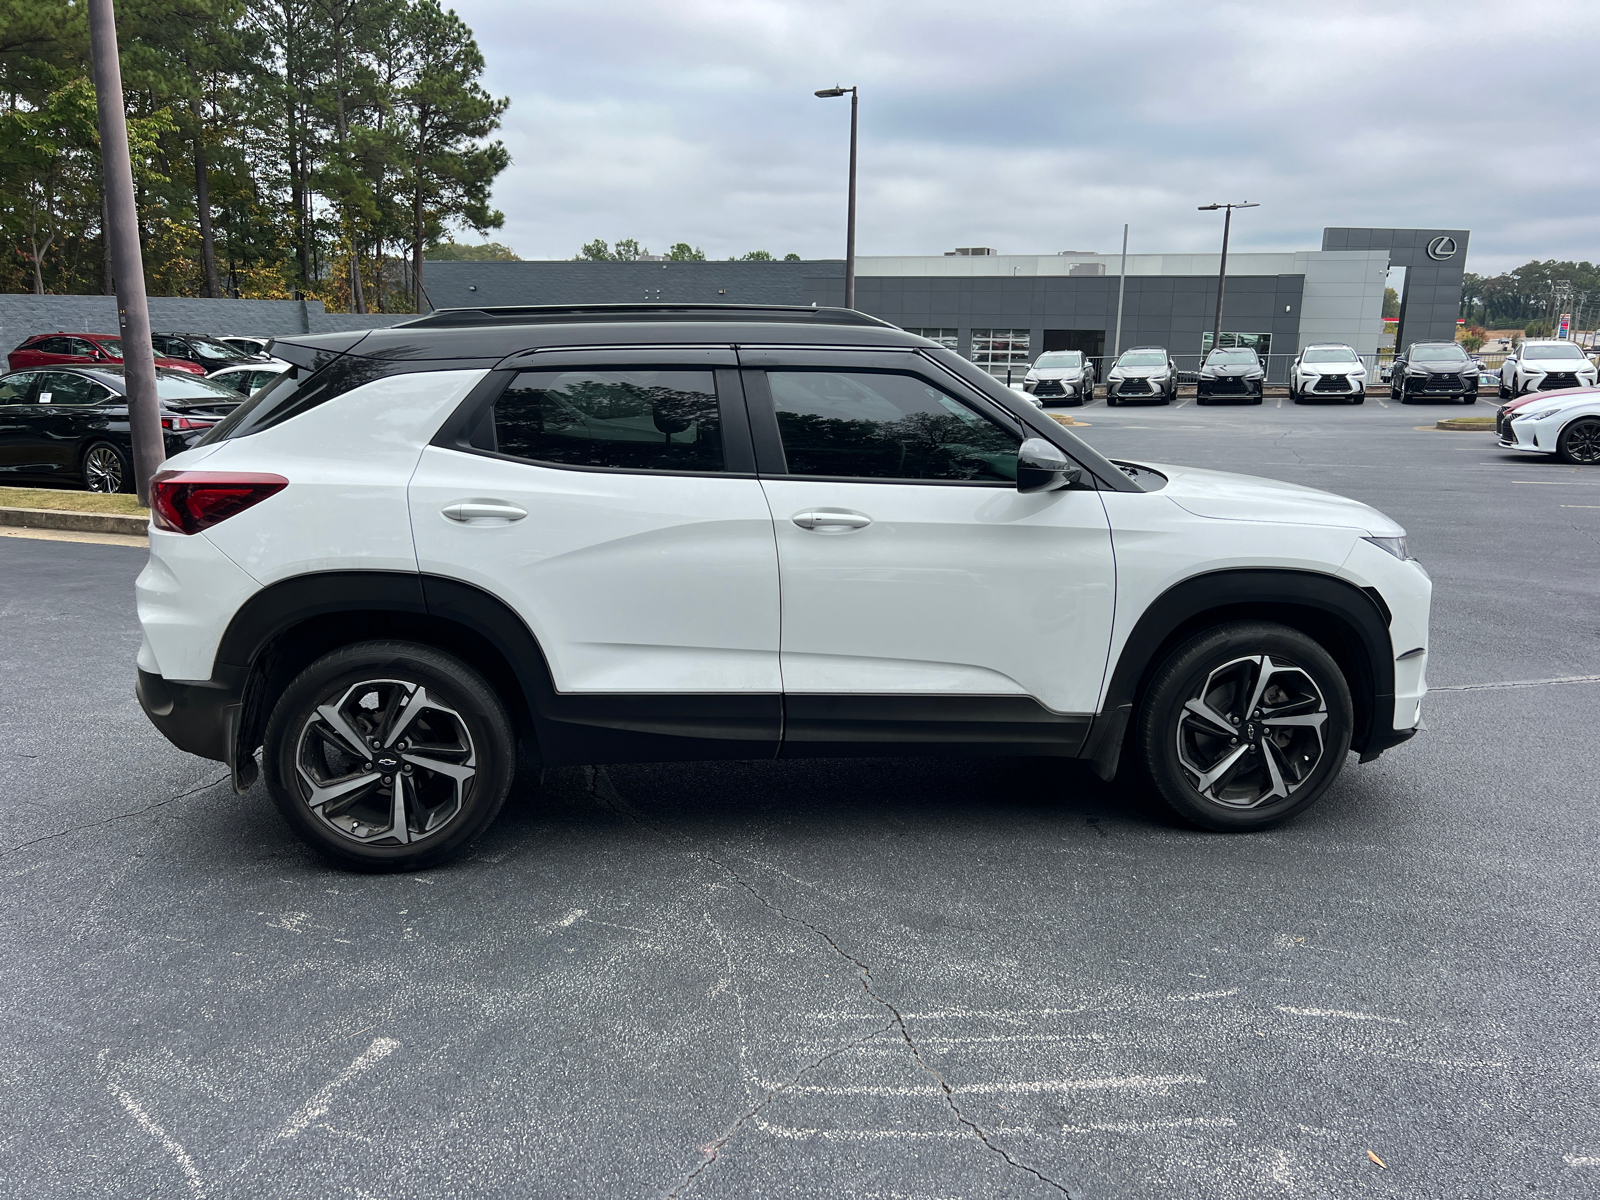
x=1229 y=369
x=1544 y=365
x=1332 y=368
x=1443 y=368
x=1562 y=398
x=1227 y=497
x=1137 y=372
x=1055 y=372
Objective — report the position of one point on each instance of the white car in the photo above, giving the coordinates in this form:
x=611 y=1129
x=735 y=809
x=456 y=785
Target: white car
x=1545 y=365
x=1566 y=425
x=494 y=540
x=1328 y=369
x=1142 y=373
x=1061 y=375
x=247 y=378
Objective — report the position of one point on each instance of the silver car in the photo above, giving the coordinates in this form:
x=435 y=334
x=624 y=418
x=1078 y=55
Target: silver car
x=1060 y=375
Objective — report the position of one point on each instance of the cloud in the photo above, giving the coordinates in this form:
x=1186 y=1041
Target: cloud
x=1035 y=127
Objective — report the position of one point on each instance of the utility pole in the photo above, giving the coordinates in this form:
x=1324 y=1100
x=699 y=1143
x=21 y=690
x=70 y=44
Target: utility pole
x=850 y=219
x=122 y=239
x=1122 y=286
x=1222 y=271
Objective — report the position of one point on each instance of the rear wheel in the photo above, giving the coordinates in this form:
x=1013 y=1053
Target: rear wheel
x=1580 y=442
x=389 y=756
x=1245 y=725
x=106 y=469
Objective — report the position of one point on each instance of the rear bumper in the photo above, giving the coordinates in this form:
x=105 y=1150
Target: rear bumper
x=199 y=718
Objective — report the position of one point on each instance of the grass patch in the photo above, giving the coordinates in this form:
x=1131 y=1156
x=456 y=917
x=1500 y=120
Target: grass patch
x=1466 y=423
x=15 y=497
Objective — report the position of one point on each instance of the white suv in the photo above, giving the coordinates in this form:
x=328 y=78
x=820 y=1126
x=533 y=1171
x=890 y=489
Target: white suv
x=432 y=557
x=1545 y=366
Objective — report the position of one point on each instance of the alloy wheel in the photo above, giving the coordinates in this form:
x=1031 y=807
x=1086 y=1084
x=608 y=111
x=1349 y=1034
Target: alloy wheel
x=1252 y=733
x=1582 y=443
x=385 y=763
x=102 y=470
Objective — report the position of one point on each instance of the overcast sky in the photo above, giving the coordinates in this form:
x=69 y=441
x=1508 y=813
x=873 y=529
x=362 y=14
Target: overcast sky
x=1035 y=127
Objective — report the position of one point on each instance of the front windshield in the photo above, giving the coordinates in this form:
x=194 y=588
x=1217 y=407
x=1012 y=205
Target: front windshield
x=1338 y=354
x=1058 y=359
x=1438 y=354
x=1553 y=350
x=1143 y=358
x=1231 y=358
x=216 y=349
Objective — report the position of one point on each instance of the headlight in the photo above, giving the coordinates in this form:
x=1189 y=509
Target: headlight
x=1394 y=545
x=1413 y=373
x=1549 y=412
x=1254 y=375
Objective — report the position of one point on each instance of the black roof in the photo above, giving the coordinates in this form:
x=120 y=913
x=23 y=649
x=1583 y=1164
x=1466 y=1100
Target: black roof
x=565 y=314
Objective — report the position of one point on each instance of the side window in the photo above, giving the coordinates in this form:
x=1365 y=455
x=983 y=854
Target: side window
x=66 y=388
x=52 y=345
x=884 y=425
x=631 y=420
x=14 y=389
x=80 y=347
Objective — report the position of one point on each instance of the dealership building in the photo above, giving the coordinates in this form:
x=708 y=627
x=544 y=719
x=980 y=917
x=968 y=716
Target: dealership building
x=1003 y=310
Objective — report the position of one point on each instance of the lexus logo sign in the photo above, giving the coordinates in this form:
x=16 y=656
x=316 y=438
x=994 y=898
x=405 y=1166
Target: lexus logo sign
x=1442 y=248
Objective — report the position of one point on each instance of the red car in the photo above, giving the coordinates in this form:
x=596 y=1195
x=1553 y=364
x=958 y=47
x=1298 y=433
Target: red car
x=82 y=350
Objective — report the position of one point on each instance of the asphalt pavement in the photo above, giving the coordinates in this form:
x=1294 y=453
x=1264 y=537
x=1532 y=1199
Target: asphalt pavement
x=896 y=979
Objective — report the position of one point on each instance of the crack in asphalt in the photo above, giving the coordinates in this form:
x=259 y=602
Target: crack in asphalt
x=616 y=805
x=108 y=820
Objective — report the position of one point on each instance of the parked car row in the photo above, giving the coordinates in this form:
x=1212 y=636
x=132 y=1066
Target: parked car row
x=241 y=362
x=1148 y=373
x=68 y=426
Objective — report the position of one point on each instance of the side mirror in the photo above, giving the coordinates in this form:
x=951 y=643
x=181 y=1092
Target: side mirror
x=1041 y=467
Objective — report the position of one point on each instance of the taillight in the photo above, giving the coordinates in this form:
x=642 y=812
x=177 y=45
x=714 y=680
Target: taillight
x=189 y=501
x=183 y=423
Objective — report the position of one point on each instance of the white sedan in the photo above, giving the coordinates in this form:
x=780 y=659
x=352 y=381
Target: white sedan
x=1566 y=424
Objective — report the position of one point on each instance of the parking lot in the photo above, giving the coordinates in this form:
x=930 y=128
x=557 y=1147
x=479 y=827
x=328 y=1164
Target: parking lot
x=932 y=978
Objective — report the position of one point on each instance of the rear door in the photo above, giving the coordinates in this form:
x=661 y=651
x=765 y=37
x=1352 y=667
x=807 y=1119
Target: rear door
x=610 y=499
x=16 y=422
x=924 y=598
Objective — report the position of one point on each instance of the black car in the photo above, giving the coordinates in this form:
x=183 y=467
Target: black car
x=1434 y=371
x=208 y=352
x=1231 y=373
x=68 y=426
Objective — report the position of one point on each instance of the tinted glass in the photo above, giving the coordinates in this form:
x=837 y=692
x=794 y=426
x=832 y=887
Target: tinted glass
x=645 y=420
x=165 y=346
x=216 y=349
x=14 y=388
x=180 y=385
x=295 y=392
x=52 y=345
x=1335 y=355
x=1060 y=358
x=1554 y=351
x=1231 y=358
x=80 y=346
x=1143 y=358
x=870 y=425
x=1438 y=354
x=63 y=388
x=112 y=346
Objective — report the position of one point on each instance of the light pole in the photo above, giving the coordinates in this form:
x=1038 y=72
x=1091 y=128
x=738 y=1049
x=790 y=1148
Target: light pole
x=1222 y=271
x=1122 y=283
x=122 y=239
x=850 y=219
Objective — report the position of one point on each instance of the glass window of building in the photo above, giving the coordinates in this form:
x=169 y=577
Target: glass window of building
x=948 y=338
x=996 y=350
x=1261 y=343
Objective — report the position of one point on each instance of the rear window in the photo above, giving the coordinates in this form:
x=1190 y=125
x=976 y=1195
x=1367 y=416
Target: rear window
x=296 y=391
x=181 y=385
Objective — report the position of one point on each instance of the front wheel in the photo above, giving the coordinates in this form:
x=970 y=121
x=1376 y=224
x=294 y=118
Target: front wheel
x=1245 y=725
x=1580 y=443
x=389 y=756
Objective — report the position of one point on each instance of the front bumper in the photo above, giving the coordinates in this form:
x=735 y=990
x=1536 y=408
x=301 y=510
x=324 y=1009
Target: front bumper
x=1227 y=386
x=1436 y=388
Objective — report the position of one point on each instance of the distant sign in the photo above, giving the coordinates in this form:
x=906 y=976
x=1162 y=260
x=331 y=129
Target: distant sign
x=1564 y=330
x=1442 y=248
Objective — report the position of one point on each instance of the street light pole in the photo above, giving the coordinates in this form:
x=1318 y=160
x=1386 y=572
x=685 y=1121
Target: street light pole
x=1122 y=284
x=1222 y=271
x=850 y=218
x=122 y=241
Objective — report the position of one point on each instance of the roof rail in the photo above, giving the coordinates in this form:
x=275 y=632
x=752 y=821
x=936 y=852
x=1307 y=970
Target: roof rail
x=563 y=314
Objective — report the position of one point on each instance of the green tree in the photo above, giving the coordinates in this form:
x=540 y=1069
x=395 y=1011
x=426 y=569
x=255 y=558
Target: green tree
x=683 y=252
x=450 y=251
x=791 y=257
x=752 y=256
x=1391 y=302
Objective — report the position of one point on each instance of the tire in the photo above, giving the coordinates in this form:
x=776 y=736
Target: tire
x=1221 y=668
x=1111 y=401
x=469 y=738
x=1579 y=443
x=106 y=469
x=1504 y=395
x=1358 y=399
x=1469 y=399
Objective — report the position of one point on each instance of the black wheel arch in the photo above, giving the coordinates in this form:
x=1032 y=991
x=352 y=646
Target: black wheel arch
x=1350 y=622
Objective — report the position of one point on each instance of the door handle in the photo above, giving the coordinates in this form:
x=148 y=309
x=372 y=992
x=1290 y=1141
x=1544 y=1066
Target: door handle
x=466 y=511
x=826 y=519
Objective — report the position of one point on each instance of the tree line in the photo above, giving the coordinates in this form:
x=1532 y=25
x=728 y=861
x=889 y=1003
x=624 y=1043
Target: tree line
x=281 y=148
x=1530 y=297
x=629 y=250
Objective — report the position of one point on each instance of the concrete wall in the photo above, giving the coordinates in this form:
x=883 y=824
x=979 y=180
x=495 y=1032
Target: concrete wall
x=1431 y=301
x=22 y=316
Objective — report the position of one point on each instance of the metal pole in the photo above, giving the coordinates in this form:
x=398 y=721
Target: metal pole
x=1222 y=278
x=133 y=313
x=850 y=230
x=1122 y=285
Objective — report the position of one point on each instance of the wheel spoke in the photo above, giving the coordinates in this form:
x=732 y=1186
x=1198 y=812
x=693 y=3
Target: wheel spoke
x=460 y=773
x=415 y=703
x=1269 y=754
x=1309 y=720
x=399 y=825
x=1220 y=772
x=1266 y=671
x=321 y=793
x=1211 y=716
x=353 y=741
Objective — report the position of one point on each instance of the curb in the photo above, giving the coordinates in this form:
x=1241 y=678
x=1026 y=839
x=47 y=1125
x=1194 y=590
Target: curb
x=1467 y=424
x=79 y=522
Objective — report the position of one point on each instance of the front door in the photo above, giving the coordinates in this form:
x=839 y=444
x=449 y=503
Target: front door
x=610 y=501
x=923 y=596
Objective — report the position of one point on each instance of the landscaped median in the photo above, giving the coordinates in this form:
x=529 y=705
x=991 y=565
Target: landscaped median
x=1467 y=424
x=75 y=512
